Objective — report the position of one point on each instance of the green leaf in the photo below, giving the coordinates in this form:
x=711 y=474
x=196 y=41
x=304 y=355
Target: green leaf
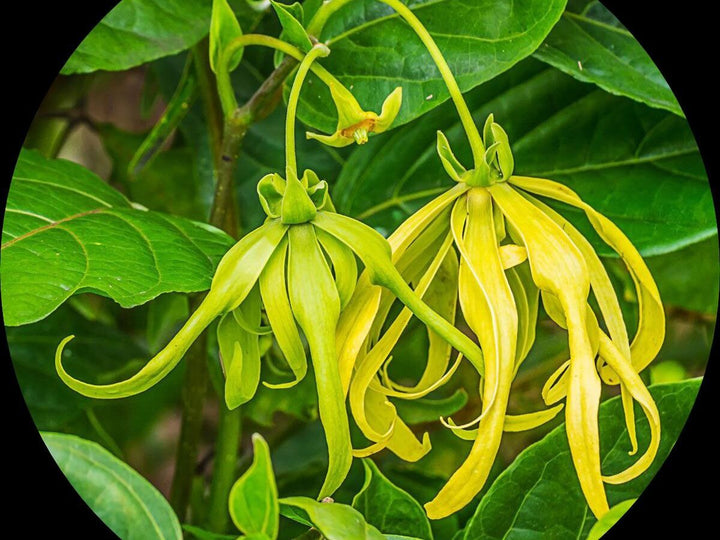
x=689 y=278
x=127 y=503
x=418 y=411
x=32 y=348
x=371 y=46
x=590 y=44
x=539 y=494
x=138 y=31
x=335 y=521
x=638 y=166
x=253 y=498
x=66 y=232
x=388 y=507
x=293 y=31
x=224 y=27
x=605 y=523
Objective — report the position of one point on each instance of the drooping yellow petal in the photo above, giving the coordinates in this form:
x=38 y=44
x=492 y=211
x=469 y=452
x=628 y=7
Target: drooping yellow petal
x=526 y=296
x=555 y=388
x=651 y=325
x=369 y=366
x=558 y=267
x=442 y=297
x=632 y=381
x=316 y=305
x=273 y=289
x=512 y=255
x=483 y=279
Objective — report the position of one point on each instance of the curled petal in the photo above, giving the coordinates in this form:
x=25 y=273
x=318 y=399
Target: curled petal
x=513 y=422
x=369 y=366
x=390 y=109
x=316 y=305
x=635 y=387
x=651 y=325
x=555 y=388
x=234 y=278
x=485 y=279
x=526 y=296
x=277 y=308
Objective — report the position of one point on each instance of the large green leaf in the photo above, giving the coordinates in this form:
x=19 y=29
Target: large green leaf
x=374 y=51
x=638 y=166
x=128 y=504
x=689 y=278
x=32 y=348
x=590 y=44
x=388 y=507
x=138 y=31
x=66 y=231
x=539 y=494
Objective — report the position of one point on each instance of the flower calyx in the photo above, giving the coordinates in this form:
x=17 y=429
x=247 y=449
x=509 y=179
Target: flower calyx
x=355 y=124
x=294 y=200
x=498 y=163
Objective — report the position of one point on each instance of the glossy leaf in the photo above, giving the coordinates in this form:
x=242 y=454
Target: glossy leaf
x=201 y=534
x=253 y=498
x=127 y=503
x=689 y=278
x=605 y=523
x=138 y=31
x=539 y=492
x=590 y=44
x=388 y=507
x=66 y=231
x=638 y=166
x=224 y=27
x=335 y=521
x=371 y=46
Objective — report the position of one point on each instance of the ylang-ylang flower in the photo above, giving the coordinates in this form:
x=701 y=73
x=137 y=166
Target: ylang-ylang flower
x=300 y=267
x=490 y=247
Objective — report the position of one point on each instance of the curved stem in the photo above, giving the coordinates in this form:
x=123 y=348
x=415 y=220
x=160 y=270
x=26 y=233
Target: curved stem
x=317 y=23
x=290 y=158
x=225 y=90
x=476 y=143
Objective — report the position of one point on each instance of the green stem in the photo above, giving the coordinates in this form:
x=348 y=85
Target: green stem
x=290 y=158
x=476 y=143
x=317 y=23
x=193 y=397
x=223 y=475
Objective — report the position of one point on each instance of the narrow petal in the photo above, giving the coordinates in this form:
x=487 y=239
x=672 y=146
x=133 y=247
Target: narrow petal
x=234 y=278
x=369 y=366
x=514 y=422
x=526 y=296
x=496 y=328
x=555 y=388
x=344 y=266
x=316 y=305
x=558 y=267
x=277 y=308
x=374 y=251
x=240 y=352
x=651 y=325
x=632 y=381
x=390 y=109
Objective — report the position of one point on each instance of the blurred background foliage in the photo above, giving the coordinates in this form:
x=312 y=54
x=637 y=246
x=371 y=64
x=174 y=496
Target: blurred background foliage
x=620 y=140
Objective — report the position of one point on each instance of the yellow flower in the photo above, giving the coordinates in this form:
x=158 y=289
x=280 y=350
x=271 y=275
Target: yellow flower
x=300 y=266
x=354 y=124
x=511 y=251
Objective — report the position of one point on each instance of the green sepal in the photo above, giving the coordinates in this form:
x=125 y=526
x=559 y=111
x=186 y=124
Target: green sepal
x=504 y=153
x=297 y=206
x=291 y=19
x=270 y=190
x=224 y=27
x=451 y=164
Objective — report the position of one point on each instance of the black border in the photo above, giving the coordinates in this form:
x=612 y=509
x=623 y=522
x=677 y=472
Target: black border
x=681 y=39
